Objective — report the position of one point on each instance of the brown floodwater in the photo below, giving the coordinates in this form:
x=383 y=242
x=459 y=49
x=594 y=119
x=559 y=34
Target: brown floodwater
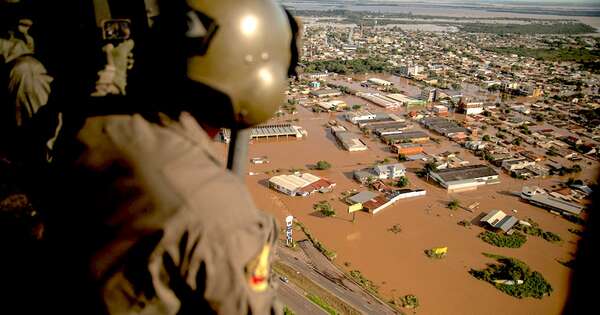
x=396 y=262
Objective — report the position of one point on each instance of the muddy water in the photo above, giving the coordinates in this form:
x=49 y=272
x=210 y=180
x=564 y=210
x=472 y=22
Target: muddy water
x=396 y=262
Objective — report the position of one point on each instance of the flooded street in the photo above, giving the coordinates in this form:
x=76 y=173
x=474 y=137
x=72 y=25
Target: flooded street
x=396 y=262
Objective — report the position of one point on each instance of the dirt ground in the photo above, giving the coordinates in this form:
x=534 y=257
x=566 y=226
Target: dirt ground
x=397 y=262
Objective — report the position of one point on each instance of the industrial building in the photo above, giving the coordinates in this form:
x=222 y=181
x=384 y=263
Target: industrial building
x=349 y=141
x=380 y=118
x=326 y=93
x=465 y=178
x=445 y=127
x=379 y=100
x=406 y=100
x=269 y=131
x=406 y=136
x=300 y=184
x=380 y=82
x=407 y=148
x=499 y=220
x=360 y=116
x=386 y=128
x=541 y=198
x=333 y=105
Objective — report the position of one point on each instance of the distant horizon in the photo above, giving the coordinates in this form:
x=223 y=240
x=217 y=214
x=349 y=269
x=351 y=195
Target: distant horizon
x=516 y=2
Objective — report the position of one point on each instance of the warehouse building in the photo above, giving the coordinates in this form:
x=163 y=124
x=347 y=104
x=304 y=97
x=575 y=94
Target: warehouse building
x=350 y=141
x=379 y=100
x=326 y=93
x=465 y=178
x=406 y=136
x=300 y=184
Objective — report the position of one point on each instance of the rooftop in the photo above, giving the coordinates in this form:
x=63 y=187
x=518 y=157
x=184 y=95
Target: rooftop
x=465 y=173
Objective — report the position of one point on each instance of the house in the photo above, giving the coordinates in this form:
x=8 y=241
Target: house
x=300 y=184
x=473 y=108
x=390 y=171
x=475 y=145
x=381 y=202
x=499 y=220
x=361 y=197
x=440 y=110
x=516 y=164
x=365 y=175
x=465 y=178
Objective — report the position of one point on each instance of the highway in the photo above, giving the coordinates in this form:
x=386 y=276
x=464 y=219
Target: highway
x=290 y=296
x=317 y=268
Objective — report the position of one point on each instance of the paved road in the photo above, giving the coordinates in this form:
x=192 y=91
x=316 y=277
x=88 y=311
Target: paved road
x=291 y=297
x=330 y=278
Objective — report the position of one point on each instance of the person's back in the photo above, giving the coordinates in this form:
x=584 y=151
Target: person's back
x=170 y=230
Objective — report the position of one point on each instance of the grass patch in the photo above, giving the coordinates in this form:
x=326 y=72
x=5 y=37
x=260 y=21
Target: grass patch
x=322 y=304
x=312 y=288
x=515 y=240
x=534 y=285
x=331 y=255
x=287 y=311
x=364 y=282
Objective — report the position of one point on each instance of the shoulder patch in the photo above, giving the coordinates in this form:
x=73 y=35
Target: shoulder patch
x=258 y=270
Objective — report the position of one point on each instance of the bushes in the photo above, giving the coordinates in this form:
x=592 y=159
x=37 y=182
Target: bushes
x=364 y=282
x=322 y=165
x=402 y=182
x=515 y=240
x=409 y=301
x=453 y=205
x=331 y=255
x=324 y=208
x=534 y=285
x=465 y=223
x=395 y=229
x=534 y=230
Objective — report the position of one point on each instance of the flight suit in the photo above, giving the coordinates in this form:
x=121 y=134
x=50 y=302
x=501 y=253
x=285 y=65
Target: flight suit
x=167 y=229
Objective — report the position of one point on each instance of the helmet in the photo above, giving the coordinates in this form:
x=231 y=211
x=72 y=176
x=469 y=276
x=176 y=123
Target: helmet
x=239 y=54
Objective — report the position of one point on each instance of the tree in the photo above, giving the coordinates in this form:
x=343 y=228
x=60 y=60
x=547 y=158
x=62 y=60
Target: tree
x=356 y=107
x=517 y=141
x=486 y=138
x=402 y=182
x=454 y=204
x=402 y=157
x=323 y=165
x=324 y=208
